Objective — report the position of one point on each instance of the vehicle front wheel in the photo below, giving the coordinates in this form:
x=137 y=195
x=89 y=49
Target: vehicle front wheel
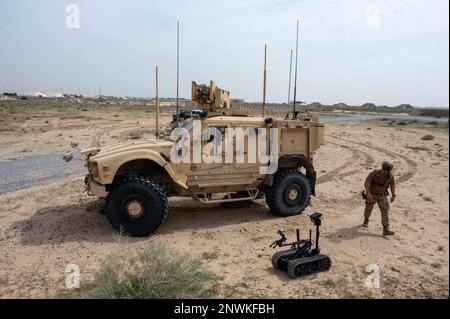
x=137 y=206
x=290 y=193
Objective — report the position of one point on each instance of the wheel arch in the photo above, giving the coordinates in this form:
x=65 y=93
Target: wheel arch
x=148 y=158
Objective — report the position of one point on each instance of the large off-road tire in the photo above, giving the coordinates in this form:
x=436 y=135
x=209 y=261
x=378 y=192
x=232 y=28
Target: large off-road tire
x=290 y=193
x=137 y=206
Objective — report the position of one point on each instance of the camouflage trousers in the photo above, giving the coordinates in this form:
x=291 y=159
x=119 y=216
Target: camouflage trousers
x=383 y=204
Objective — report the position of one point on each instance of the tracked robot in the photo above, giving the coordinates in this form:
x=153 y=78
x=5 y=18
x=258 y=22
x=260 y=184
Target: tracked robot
x=301 y=259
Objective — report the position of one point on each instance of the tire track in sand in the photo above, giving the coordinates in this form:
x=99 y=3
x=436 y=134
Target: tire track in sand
x=412 y=166
x=356 y=155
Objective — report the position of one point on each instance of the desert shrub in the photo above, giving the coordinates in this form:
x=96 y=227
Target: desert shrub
x=135 y=135
x=427 y=138
x=402 y=123
x=384 y=119
x=210 y=255
x=152 y=272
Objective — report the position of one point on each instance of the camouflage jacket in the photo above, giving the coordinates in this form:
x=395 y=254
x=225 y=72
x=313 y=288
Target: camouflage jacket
x=379 y=182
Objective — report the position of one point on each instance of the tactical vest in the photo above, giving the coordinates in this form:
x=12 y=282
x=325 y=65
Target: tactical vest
x=380 y=182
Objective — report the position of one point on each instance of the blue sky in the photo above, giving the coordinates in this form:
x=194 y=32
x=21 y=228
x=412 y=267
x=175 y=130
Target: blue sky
x=386 y=52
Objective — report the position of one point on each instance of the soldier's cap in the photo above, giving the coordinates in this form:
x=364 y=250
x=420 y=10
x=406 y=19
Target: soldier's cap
x=387 y=165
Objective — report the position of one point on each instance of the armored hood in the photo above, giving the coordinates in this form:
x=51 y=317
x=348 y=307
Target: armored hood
x=159 y=146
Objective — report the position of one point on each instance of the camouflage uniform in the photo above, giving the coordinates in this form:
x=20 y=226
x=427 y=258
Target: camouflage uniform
x=379 y=183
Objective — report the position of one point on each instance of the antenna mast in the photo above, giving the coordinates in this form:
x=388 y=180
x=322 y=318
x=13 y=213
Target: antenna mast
x=157 y=104
x=264 y=82
x=295 y=76
x=178 y=69
x=290 y=75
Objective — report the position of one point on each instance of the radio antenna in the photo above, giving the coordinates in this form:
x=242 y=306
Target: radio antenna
x=290 y=75
x=157 y=104
x=295 y=76
x=264 y=82
x=178 y=70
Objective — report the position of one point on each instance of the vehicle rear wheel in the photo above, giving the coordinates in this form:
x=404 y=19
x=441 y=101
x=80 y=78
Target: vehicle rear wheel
x=137 y=206
x=290 y=193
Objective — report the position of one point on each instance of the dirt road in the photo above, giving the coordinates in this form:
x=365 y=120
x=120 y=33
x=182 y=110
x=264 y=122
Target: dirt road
x=24 y=173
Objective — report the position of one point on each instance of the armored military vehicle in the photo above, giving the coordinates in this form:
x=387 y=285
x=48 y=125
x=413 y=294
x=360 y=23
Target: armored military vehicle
x=137 y=177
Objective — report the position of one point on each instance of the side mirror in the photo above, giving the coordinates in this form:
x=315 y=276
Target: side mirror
x=68 y=157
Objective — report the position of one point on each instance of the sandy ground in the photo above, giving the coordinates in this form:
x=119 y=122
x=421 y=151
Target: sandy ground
x=46 y=227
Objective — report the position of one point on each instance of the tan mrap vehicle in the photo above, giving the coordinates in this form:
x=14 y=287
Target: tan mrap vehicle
x=137 y=177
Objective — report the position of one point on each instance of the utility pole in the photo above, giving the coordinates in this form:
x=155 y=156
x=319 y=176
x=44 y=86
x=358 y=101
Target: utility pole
x=295 y=77
x=157 y=104
x=178 y=70
x=264 y=82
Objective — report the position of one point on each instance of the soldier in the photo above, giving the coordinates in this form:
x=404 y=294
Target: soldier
x=376 y=186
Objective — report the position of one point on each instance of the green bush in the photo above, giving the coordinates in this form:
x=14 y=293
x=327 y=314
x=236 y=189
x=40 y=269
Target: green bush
x=427 y=138
x=135 y=135
x=152 y=272
x=210 y=255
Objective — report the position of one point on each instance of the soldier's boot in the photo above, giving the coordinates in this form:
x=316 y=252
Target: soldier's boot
x=365 y=223
x=387 y=232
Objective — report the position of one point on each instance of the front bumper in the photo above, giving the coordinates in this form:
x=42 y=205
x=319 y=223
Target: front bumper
x=93 y=188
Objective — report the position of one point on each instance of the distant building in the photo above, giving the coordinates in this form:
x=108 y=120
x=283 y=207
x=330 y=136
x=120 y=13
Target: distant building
x=236 y=103
x=10 y=94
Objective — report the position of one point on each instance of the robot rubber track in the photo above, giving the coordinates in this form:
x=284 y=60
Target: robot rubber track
x=297 y=268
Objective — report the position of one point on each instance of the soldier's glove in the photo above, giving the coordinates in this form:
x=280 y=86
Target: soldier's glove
x=392 y=199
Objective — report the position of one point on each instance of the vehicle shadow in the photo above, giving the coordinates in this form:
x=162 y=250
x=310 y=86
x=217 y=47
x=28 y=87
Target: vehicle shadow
x=86 y=222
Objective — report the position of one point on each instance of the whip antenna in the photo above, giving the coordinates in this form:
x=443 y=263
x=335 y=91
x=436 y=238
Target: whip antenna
x=295 y=76
x=178 y=70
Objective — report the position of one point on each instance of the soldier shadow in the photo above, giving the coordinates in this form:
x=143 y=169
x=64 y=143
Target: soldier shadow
x=353 y=232
x=86 y=222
